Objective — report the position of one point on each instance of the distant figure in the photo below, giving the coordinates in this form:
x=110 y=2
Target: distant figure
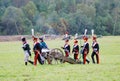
x=66 y=48
x=95 y=52
x=37 y=51
x=26 y=49
x=76 y=50
x=85 y=50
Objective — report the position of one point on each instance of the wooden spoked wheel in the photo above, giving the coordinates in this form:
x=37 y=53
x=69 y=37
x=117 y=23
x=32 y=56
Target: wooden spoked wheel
x=56 y=56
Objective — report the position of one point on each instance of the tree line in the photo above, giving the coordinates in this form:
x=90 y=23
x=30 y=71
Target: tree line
x=58 y=16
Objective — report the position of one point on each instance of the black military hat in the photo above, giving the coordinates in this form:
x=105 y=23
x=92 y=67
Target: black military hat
x=66 y=40
x=23 y=39
x=40 y=38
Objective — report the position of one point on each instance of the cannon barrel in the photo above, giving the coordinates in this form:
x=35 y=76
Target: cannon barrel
x=71 y=60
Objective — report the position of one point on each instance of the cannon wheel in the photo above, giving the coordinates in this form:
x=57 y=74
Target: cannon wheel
x=56 y=56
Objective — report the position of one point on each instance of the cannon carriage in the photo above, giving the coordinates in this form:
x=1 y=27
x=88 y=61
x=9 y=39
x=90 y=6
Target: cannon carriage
x=56 y=56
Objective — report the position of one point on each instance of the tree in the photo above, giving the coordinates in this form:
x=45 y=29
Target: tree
x=14 y=21
x=78 y=23
x=59 y=16
x=53 y=20
x=70 y=6
x=89 y=11
x=2 y=10
x=19 y=3
x=42 y=5
x=40 y=20
x=116 y=16
x=30 y=10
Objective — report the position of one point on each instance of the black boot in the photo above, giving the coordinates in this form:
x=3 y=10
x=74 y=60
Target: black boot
x=30 y=62
x=26 y=63
x=87 y=61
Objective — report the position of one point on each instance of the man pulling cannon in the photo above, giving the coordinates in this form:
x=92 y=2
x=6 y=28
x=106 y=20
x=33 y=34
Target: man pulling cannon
x=37 y=51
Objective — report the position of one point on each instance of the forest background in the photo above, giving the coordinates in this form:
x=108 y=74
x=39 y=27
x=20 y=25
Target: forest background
x=18 y=17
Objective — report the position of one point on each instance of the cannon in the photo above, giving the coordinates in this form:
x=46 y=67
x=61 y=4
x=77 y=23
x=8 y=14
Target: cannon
x=56 y=56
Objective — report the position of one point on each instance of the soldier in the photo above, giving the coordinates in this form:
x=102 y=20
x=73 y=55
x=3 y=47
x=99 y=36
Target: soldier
x=75 y=50
x=43 y=44
x=37 y=51
x=85 y=50
x=95 y=52
x=26 y=49
x=66 y=48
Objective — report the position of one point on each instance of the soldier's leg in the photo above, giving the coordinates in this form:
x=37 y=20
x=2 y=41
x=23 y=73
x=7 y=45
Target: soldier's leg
x=30 y=61
x=26 y=58
x=35 y=58
x=74 y=56
x=84 y=58
x=40 y=60
x=25 y=63
x=92 y=56
x=66 y=54
x=29 y=53
x=87 y=61
x=97 y=58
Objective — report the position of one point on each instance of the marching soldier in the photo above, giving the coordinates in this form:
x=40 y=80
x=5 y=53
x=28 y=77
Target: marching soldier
x=75 y=50
x=37 y=51
x=66 y=48
x=26 y=49
x=85 y=50
x=95 y=47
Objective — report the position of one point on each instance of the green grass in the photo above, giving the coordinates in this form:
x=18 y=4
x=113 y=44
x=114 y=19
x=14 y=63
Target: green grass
x=12 y=66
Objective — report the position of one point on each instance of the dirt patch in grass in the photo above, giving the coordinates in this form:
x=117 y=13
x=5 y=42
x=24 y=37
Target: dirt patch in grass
x=12 y=38
x=18 y=37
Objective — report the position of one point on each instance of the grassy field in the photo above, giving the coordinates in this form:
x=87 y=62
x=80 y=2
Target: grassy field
x=12 y=66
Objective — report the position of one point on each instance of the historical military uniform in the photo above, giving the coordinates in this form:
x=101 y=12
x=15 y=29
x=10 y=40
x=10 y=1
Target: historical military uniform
x=75 y=50
x=95 y=52
x=85 y=50
x=37 y=52
x=43 y=44
x=66 y=49
x=26 y=49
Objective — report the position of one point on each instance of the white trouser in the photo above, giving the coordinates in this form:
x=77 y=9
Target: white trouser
x=45 y=50
x=26 y=57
